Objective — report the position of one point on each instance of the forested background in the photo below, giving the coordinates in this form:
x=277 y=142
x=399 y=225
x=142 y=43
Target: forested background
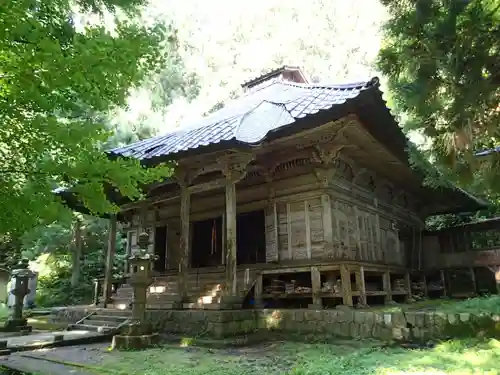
x=133 y=69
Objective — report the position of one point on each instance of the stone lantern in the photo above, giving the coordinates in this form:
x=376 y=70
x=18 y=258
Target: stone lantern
x=22 y=275
x=138 y=334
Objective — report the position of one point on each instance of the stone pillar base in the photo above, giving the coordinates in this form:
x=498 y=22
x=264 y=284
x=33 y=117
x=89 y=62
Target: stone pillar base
x=122 y=342
x=231 y=303
x=16 y=325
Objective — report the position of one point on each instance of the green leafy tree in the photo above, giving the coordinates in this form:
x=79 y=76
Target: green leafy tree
x=56 y=81
x=442 y=62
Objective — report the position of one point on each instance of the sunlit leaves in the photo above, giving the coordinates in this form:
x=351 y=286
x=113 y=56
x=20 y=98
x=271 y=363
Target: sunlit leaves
x=442 y=63
x=55 y=81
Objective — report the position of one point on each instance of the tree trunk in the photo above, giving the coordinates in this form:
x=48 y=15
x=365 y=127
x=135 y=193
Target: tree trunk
x=77 y=252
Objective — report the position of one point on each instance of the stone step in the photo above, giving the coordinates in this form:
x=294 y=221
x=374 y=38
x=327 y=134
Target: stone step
x=107 y=318
x=115 y=312
x=88 y=327
x=102 y=323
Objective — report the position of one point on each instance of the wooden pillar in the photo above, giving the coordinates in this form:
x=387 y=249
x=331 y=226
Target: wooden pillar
x=308 y=229
x=258 y=291
x=408 y=286
x=345 y=276
x=327 y=223
x=426 y=291
x=231 y=251
x=289 y=231
x=234 y=169
x=184 y=241
x=386 y=281
x=443 y=282
x=316 y=289
x=473 y=280
x=110 y=256
x=361 y=286
x=77 y=252
x=378 y=243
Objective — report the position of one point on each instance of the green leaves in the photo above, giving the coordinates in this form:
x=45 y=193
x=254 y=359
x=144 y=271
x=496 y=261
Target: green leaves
x=441 y=60
x=55 y=84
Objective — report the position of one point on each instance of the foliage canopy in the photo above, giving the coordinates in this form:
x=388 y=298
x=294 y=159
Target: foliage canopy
x=442 y=61
x=57 y=81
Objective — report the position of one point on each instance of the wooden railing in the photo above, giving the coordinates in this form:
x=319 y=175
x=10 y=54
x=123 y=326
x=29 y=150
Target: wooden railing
x=476 y=258
x=99 y=288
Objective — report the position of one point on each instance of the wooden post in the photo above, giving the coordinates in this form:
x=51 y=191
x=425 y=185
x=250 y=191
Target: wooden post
x=308 y=229
x=316 y=289
x=184 y=241
x=378 y=243
x=443 y=282
x=361 y=286
x=386 y=281
x=110 y=256
x=289 y=231
x=327 y=222
x=426 y=291
x=258 y=291
x=345 y=276
x=408 y=286
x=231 y=280
x=359 y=254
x=473 y=280
x=77 y=253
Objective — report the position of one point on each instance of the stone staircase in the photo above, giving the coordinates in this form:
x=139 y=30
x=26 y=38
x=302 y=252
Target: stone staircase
x=204 y=290
x=102 y=321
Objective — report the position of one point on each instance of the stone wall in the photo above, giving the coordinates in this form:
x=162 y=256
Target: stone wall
x=414 y=326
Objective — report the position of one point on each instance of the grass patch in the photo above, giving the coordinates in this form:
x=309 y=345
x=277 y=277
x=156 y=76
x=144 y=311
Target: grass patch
x=344 y=357
x=487 y=304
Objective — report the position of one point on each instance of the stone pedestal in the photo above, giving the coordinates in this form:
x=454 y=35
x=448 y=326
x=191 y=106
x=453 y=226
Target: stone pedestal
x=137 y=334
x=22 y=275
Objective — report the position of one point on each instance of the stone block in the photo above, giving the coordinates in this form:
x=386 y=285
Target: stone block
x=344 y=329
x=420 y=319
x=359 y=316
x=354 y=329
x=465 y=317
x=330 y=316
x=346 y=316
x=379 y=318
x=388 y=319
x=369 y=318
x=398 y=320
x=400 y=334
x=365 y=330
x=453 y=319
x=430 y=320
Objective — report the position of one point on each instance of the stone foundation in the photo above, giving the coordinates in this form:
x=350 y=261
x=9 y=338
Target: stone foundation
x=414 y=326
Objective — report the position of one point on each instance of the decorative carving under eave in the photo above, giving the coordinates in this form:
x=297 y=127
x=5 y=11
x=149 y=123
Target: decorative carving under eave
x=365 y=179
x=234 y=166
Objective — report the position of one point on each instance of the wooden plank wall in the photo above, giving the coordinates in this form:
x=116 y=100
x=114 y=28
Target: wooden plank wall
x=305 y=220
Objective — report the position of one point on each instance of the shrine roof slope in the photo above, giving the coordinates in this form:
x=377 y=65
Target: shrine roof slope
x=250 y=119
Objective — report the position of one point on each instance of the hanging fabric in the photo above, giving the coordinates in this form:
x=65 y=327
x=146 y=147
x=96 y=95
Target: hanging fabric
x=214 y=238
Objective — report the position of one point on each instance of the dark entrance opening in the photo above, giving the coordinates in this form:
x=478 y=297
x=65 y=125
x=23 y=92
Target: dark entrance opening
x=160 y=249
x=207 y=243
x=251 y=237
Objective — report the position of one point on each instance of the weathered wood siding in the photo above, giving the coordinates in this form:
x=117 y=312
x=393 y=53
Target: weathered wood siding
x=348 y=217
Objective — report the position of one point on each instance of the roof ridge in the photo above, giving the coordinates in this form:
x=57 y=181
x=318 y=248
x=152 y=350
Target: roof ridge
x=373 y=82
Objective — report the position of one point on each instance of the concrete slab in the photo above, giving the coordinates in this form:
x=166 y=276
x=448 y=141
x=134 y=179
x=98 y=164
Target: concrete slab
x=58 y=361
x=45 y=338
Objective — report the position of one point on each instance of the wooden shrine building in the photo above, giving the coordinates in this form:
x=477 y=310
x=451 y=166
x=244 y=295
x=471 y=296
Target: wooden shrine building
x=293 y=194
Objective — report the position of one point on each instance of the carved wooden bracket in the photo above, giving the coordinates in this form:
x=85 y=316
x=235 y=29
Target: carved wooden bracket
x=325 y=154
x=324 y=175
x=234 y=166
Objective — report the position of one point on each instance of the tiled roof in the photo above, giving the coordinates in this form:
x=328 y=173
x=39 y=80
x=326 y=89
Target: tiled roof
x=250 y=118
x=488 y=152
